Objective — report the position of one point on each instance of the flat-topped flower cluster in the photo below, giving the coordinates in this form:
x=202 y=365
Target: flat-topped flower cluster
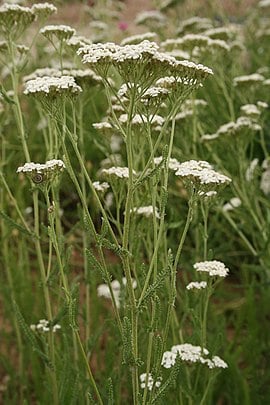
x=47 y=85
x=201 y=173
x=145 y=53
x=214 y=268
x=191 y=354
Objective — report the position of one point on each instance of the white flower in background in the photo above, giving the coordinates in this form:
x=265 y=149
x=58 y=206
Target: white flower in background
x=120 y=172
x=115 y=143
x=250 y=109
x=102 y=125
x=44 y=326
x=207 y=194
x=152 y=16
x=140 y=119
x=103 y=290
x=101 y=186
x=213 y=268
x=173 y=163
x=135 y=39
x=265 y=179
x=43 y=10
x=196 y=285
x=264 y=4
x=233 y=128
x=233 y=203
x=194 y=24
x=150 y=381
x=251 y=169
x=146 y=211
x=61 y=32
x=253 y=78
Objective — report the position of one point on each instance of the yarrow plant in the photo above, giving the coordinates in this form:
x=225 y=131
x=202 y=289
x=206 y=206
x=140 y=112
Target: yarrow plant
x=153 y=169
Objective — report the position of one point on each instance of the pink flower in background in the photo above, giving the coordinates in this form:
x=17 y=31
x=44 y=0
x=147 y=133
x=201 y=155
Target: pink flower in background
x=122 y=25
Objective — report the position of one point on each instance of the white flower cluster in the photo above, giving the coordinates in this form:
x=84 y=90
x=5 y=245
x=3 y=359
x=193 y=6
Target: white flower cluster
x=46 y=85
x=191 y=354
x=194 y=24
x=103 y=290
x=15 y=18
x=201 y=172
x=140 y=119
x=150 y=381
x=233 y=203
x=196 y=285
x=78 y=41
x=101 y=186
x=253 y=78
x=43 y=10
x=41 y=167
x=102 y=125
x=224 y=33
x=60 y=31
x=173 y=163
x=152 y=15
x=146 y=52
x=135 y=39
x=254 y=110
x=154 y=93
x=264 y=4
x=120 y=172
x=147 y=211
x=44 y=326
x=207 y=194
x=190 y=41
x=265 y=179
x=251 y=169
x=233 y=128
x=213 y=268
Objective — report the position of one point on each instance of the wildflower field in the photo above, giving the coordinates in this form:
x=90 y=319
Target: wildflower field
x=134 y=202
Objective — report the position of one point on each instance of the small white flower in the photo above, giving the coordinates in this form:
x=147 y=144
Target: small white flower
x=233 y=203
x=101 y=186
x=196 y=285
x=150 y=381
x=253 y=78
x=120 y=172
x=212 y=267
x=135 y=39
x=251 y=169
x=168 y=359
x=146 y=211
x=102 y=125
x=60 y=31
x=173 y=163
x=103 y=290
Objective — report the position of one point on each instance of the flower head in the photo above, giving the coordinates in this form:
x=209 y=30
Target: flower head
x=60 y=32
x=43 y=10
x=201 y=175
x=14 y=19
x=213 y=268
x=52 y=87
x=150 y=381
x=41 y=173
